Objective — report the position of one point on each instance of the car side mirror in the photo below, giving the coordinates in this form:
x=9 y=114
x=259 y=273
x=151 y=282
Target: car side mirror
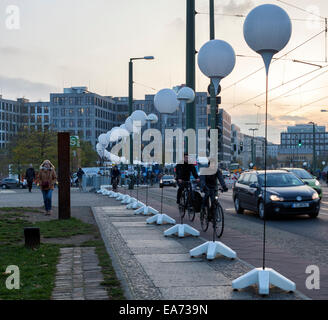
x=254 y=185
x=306 y=182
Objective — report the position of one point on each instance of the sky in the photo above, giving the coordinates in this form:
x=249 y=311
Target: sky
x=63 y=43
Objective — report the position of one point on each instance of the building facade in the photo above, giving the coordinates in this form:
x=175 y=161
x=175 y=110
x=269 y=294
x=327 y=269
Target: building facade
x=300 y=142
x=224 y=122
x=21 y=114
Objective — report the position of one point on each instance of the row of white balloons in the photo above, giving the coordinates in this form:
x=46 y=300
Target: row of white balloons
x=267 y=30
x=123 y=131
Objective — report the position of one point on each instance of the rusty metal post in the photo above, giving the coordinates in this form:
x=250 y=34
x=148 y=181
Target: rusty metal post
x=64 y=184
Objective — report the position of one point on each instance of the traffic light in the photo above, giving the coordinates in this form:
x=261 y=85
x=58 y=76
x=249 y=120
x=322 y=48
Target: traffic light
x=300 y=143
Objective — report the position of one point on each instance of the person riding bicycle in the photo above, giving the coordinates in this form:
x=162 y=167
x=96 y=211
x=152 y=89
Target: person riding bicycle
x=183 y=172
x=209 y=185
x=115 y=174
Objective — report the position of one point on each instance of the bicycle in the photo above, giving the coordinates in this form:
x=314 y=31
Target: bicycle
x=213 y=212
x=114 y=183
x=186 y=201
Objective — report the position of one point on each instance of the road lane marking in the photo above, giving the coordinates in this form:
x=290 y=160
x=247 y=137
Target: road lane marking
x=7 y=191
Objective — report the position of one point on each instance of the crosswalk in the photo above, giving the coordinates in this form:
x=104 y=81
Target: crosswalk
x=7 y=191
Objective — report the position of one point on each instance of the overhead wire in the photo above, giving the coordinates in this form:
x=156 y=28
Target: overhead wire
x=289 y=81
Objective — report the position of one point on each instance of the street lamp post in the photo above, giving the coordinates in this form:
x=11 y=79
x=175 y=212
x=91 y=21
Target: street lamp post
x=314 y=157
x=190 y=61
x=252 y=145
x=131 y=94
x=267 y=30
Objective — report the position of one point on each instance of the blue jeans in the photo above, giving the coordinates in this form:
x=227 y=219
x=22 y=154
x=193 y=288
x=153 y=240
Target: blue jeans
x=47 y=194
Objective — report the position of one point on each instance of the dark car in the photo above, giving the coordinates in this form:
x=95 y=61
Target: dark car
x=167 y=181
x=9 y=183
x=285 y=194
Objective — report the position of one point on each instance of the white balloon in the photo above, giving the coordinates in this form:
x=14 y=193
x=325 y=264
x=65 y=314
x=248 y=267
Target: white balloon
x=118 y=133
x=216 y=59
x=129 y=124
x=152 y=118
x=103 y=140
x=186 y=94
x=267 y=28
x=139 y=115
x=166 y=101
x=108 y=134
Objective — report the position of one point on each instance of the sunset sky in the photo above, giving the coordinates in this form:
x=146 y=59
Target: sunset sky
x=63 y=43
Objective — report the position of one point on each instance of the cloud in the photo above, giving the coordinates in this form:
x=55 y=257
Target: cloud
x=292 y=118
x=13 y=88
x=236 y=6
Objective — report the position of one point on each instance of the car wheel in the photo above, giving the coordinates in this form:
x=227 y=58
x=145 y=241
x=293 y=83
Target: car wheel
x=4 y=186
x=237 y=206
x=260 y=210
x=313 y=215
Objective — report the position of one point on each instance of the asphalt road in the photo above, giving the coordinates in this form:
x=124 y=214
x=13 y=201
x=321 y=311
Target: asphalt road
x=292 y=243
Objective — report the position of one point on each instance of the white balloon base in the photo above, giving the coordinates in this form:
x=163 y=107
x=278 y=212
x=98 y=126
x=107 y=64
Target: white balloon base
x=125 y=199
x=182 y=230
x=160 y=219
x=263 y=278
x=211 y=249
x=134 y=205
x=120 y=197
x=146 y=210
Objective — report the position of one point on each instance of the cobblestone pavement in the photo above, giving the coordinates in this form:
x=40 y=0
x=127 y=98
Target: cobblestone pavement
x=78 y=275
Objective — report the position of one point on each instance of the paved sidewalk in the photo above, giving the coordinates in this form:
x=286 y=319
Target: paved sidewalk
x=78 y=276
x=153 y=267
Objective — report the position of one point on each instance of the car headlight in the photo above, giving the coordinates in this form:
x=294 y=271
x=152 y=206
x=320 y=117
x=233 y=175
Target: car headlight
x=317 y=183
x=274 y=197
x=315 y=196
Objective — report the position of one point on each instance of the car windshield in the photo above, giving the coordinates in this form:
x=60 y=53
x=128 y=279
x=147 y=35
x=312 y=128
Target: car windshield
x=301 y=173
x=280 y=180
x=167 y=177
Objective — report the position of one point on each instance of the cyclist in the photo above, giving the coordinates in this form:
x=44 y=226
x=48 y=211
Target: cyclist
x=183 y=172
x=115 y=174
x=209 y=185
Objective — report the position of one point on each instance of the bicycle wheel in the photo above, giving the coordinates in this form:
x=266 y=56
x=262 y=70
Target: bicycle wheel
x=182 y=205
x=204 y=219
x=191 y=210
x=218 y=221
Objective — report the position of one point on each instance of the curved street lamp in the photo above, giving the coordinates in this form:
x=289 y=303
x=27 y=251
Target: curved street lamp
x=267 y=30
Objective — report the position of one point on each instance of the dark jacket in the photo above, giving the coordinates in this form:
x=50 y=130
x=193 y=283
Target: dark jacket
x=30 y=174
x=184 y=170
x=115 y=173
x=211 y=181
x=80 y=173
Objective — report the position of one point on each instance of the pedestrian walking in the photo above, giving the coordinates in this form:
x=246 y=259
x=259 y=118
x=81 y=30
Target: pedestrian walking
x=80 y=174
x=30 y=176
x=47 y=179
